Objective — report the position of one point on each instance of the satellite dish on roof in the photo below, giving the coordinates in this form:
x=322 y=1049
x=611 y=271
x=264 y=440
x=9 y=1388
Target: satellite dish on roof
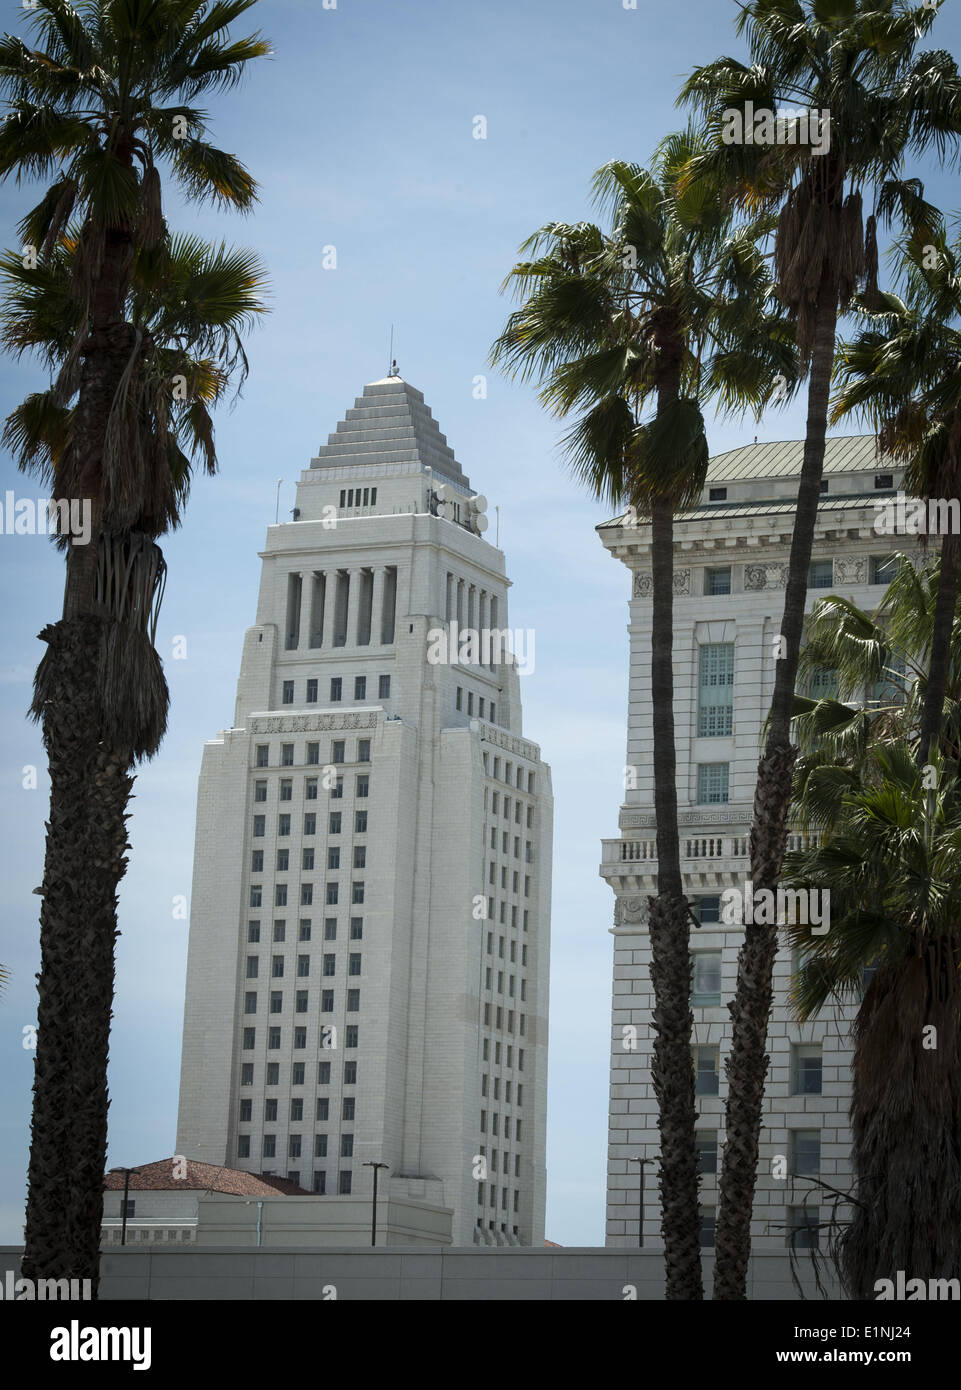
x=476 y=507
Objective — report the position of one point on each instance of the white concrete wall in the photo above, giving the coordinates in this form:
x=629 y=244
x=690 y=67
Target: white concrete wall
x=421 y=1019
x=756 y=546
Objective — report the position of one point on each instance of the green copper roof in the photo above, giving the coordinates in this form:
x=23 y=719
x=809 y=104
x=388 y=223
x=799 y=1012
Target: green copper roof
x=754 y=462
x=852 y=454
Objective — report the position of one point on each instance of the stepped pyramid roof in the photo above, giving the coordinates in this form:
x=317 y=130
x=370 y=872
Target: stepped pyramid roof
x=390 y=424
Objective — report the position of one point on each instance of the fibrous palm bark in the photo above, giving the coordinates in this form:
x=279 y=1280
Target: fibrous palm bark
x=906 y=1123
x=750 y=1009
x=672 y=1067
x=102 y=700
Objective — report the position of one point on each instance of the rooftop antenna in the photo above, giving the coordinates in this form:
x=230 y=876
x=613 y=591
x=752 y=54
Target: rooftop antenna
x=392 y=371
x=498 y=527
x=277 y=511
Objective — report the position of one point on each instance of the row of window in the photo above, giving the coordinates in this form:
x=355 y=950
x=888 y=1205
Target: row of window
x=303 y=967
x=806 y=1069
x=715 y=686
x=481 y=705
x=490 y=1226
x=303 y=971
x=514 y=777
x=331 y=895
x=505 y=1165
x=501 y=947
x=505 y=846
x=294 y=1146
x=338 y=750
x=511 y=984
x=802 y=1227
x=495 y=1125
x=305 y=928
x=883 y=482
x=348 y=1107
x=509 y=1054
x=276 y=1005
x=358 y=497
x=274 y=1033
x=804 y=1152
x=344 y=1180
x=298 y=1078
x=335 y=785
x=306 y=856
x=501 y=910
x=334 y=822
x=298 y=1074
x=496 y=1089
x=483 y=1188
x=717 y=579
x=496 y=1013
x=311 y=695
x=519 y=810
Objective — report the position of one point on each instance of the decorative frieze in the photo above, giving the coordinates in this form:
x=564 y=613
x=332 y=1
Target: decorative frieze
x=636 y=820
x=312 y=723
x=772 y=575
x=850 y=569
x=644 y=583
x=629 y=911
x=502 y=739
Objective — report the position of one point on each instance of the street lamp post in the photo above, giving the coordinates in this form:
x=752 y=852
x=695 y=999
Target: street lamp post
x=636 y=1158
x=640 y=1161
x=373 y=1217
x=126 y=1190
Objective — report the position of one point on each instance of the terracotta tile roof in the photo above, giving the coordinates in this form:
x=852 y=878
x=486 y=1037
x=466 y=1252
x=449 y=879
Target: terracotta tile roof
x=203 y=1177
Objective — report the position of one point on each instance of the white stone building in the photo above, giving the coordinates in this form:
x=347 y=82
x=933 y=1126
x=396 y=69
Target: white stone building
x=369 y=937
x=731 y=555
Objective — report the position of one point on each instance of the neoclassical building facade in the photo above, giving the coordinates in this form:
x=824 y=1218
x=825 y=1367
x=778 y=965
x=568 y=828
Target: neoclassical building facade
x=731 y=557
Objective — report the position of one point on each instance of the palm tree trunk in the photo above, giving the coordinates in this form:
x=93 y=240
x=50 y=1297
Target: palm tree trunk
x=84 y=860
x=906 y=1102
x=672 y=1067
x=751 y=1007
x=941 y=633
x=86 y=841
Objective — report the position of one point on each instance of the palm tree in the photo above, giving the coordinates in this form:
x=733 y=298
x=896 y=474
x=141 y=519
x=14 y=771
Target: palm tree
x=88 y=109
x=668 y=308
x=102 y=101
x=189 y=303
x=856 y=61
x=904 y=372
x=888 y=852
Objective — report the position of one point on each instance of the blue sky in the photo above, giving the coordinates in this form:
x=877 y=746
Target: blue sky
x=359 y=131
